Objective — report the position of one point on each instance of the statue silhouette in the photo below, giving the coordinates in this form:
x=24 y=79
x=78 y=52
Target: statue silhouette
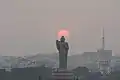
x=63 y=48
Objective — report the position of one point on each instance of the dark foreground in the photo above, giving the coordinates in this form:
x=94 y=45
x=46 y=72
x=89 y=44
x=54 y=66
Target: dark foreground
x=43 y=73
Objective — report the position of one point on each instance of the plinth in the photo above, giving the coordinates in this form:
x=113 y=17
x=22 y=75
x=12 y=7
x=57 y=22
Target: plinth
x=62 y=74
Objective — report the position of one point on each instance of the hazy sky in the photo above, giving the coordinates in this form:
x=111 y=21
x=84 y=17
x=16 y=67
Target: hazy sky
x=31 y=26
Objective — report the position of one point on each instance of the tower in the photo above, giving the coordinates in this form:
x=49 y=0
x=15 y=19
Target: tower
x=104 y=57
x=103 y=39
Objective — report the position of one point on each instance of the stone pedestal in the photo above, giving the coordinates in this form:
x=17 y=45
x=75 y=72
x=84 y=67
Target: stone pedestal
x=62 y=74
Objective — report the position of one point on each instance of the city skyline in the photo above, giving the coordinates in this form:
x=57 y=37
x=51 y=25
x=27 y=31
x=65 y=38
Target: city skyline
x=31 y=27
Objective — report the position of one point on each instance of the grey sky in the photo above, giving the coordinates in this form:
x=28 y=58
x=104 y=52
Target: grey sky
x=30 y=26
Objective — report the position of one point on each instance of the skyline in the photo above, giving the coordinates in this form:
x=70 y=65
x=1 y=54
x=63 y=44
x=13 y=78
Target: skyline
x=31 y=26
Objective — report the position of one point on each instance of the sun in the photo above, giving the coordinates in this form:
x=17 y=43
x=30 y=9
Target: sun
x=63 y=32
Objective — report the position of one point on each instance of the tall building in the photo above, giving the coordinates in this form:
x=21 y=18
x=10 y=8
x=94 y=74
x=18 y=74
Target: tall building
x=104 y=58
x=104 y=61
x=99 y=60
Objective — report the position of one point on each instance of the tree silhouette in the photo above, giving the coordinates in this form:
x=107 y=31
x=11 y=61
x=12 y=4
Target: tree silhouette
x=81 y=71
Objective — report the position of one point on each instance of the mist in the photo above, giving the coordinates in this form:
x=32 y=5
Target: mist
x=31 y=26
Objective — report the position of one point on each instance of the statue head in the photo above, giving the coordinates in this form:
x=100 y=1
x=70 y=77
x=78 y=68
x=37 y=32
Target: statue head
x=62 y=39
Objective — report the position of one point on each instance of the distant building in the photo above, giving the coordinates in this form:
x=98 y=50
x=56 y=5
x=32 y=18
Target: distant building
x=90 y=56
x=115 y=63
x=104 y=57
x=91 y=60
x=104 y=61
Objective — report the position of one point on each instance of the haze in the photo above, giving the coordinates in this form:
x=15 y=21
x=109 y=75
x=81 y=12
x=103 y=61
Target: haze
x=31 y=26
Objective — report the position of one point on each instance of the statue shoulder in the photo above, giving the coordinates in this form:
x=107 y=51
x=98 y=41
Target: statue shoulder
x=66 y=42
x=57 y=41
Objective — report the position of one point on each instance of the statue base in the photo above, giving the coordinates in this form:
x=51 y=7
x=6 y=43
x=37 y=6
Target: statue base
x=62 y=74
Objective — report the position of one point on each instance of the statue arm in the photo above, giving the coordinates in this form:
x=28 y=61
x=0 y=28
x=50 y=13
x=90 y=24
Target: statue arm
x=57 y=44
x=67 y=46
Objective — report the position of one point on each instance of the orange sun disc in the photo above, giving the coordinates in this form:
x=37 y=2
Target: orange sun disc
x=63 y=33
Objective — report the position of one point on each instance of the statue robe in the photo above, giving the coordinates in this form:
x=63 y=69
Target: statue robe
x=63 y=52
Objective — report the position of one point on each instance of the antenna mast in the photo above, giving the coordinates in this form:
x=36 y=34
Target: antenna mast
x=103 y=39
